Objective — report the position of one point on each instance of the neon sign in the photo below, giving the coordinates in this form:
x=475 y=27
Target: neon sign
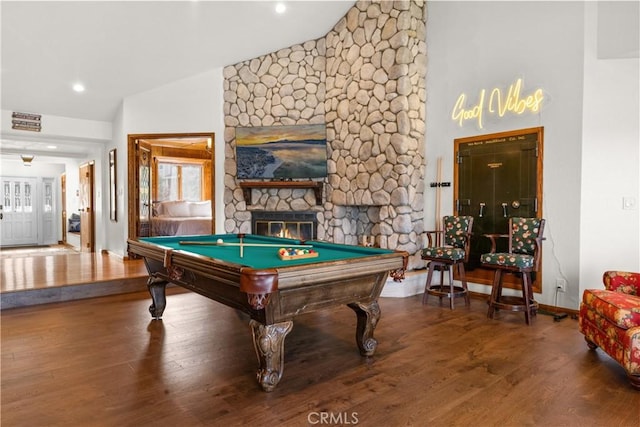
x=499 y=104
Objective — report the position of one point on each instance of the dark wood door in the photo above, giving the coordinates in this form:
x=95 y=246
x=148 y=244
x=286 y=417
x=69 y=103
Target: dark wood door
x=498 y=176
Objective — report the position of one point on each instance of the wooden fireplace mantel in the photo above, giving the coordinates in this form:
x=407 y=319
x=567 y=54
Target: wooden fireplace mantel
x=316 y=186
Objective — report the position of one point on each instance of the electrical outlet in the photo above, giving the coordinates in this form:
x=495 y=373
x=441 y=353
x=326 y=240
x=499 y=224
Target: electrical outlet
x=561 y=285
x=629 y=203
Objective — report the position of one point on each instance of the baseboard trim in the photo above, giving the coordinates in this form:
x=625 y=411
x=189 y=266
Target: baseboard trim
x=414 y=282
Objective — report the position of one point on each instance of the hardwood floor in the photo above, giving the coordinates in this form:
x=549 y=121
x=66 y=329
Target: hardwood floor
x=104 y=362
x=43 y=275
x=51 y=267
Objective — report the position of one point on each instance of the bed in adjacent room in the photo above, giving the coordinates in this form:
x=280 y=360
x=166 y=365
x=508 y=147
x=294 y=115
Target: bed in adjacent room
x=178 y=218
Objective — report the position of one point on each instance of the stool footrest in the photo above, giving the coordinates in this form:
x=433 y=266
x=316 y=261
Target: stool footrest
x=514 y=303
x=445 y=291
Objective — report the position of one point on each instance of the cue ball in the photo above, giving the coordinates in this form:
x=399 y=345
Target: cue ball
x=220 y=241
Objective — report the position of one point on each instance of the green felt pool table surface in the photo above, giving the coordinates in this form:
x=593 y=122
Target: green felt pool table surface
x=260 y=257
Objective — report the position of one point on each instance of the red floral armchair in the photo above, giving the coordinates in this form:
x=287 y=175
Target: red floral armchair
x=610 y=319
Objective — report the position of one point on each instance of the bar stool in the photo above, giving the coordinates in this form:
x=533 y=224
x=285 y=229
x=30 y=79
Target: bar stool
x=523 y=257
x=455 y=252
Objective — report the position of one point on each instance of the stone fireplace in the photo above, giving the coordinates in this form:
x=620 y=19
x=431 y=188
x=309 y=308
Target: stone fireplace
x=289 y=224
x=365 y=80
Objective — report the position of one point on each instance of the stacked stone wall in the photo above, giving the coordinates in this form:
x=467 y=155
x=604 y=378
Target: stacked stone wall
x=286 y=87
x=366 y=81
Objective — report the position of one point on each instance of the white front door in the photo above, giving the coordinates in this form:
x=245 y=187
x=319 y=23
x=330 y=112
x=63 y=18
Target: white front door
x=18 y=223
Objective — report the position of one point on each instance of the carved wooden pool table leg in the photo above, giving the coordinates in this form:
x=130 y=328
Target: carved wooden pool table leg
x=157 y=288
x=268 y=340
x=368 y=316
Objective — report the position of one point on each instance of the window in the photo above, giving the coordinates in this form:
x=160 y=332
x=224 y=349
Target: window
x=179 y=181
x=17 y=196
x=7 y=195
x=48 y=196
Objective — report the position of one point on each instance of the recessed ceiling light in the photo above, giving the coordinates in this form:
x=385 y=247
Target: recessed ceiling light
x=78 y=87
x=52 y=147
x=281 y=8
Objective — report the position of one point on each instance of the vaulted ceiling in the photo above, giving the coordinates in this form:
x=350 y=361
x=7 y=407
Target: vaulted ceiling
x=120 y=48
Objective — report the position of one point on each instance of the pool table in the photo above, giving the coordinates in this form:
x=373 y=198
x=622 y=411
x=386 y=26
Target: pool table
x=272 y=291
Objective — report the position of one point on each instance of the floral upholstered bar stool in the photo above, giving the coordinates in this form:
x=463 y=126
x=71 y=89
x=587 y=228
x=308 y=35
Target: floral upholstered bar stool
x=454 y=252
x=523 y=257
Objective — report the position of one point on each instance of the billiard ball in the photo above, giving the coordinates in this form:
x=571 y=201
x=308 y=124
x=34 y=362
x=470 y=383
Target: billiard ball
x=219 y=241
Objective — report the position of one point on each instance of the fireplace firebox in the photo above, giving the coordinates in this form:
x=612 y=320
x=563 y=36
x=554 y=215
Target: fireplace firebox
x=295 y=225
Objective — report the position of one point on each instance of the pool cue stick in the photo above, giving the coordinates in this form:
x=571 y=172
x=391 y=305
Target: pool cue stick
x=266 y=245
x=438 y=197
x=241 y=248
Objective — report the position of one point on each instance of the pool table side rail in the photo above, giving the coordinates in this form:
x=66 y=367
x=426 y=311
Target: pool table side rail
x=269 y=280
x=199 y=264
x=381 y=261
x=291 y=277
x=214 y=279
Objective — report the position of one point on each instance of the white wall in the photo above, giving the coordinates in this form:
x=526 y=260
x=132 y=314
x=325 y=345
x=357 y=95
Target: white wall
x=610 y=151
x=189 y=105
x=61 y=128
x=476 y=45
x=38 y=169
x=117 y=231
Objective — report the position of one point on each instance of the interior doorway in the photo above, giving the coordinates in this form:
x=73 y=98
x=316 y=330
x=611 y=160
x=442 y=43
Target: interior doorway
x=143 y=151
x=497 y=176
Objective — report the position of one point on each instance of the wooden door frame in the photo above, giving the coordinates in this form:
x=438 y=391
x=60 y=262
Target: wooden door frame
x=63 y=204
x=92 y=222
x=133 y=173
x=508 y=136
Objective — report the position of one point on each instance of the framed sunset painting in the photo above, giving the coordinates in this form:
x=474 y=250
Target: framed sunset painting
x=281 y=152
